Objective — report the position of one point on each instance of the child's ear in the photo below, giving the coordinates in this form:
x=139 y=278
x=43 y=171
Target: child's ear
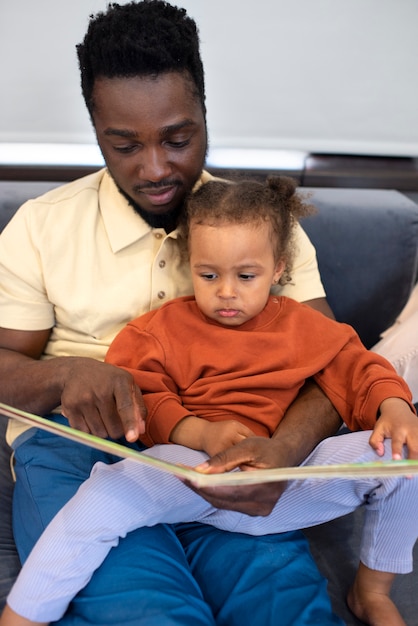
x=278 y=271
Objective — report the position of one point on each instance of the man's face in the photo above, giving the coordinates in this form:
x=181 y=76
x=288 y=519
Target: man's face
x=152 y=134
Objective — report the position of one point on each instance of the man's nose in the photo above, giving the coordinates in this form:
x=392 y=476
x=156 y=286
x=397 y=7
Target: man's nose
x=154 y=165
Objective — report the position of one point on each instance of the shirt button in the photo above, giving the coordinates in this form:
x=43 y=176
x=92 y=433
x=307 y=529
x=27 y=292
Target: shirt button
x=161 y=295
x=158 y=235
x=161 y=263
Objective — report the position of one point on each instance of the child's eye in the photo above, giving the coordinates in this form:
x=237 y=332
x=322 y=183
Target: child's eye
x=247 y=276
x=209 y=276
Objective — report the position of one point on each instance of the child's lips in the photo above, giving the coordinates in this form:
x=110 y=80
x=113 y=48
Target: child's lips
x=228 y=312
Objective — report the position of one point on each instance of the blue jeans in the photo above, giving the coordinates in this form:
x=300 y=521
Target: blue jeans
x=9 y=560
x=190 y=574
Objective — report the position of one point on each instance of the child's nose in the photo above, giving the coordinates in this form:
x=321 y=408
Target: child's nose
x=226 y=289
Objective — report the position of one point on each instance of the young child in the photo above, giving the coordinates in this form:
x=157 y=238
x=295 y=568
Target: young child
x=224 y=366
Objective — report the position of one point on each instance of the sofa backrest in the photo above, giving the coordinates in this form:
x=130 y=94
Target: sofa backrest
x=14 y=193
x=366 y=242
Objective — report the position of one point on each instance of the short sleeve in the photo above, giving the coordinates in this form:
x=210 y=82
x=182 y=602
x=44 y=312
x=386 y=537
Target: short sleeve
x=306 y=282
x=24 y=303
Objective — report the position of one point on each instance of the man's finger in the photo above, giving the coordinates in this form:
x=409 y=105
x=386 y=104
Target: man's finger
x=224 y=461
x=244 y=499
x=132 y=412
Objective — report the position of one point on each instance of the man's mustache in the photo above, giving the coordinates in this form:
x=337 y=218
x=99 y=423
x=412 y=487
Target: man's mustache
x=149 y=186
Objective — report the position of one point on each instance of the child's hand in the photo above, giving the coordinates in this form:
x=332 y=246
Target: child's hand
x=219 y=436
x=398 y=423
x=211 y=437
x=11 y=618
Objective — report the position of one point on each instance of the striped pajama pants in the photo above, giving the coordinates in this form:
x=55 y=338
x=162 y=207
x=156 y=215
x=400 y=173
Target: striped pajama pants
x=126 y=495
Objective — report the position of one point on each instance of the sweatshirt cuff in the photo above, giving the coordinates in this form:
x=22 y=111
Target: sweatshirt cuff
x=370 y=409
x=162 y=418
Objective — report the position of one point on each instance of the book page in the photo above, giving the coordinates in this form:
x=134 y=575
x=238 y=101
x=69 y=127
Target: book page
x=198 y=479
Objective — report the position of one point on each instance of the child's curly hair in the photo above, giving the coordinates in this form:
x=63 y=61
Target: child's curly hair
x=248 y=201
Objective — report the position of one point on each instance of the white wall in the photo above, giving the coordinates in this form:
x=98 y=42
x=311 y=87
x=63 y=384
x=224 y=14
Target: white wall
x=315 y=75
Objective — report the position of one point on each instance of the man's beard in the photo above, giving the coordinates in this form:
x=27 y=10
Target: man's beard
x=168 y=221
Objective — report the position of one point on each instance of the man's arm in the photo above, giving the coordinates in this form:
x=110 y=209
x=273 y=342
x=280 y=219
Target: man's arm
x=96 y=397
x=321 y=305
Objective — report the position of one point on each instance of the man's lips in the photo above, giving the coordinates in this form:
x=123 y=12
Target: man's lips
x=160 y=196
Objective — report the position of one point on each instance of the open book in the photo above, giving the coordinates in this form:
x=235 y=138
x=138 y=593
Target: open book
x=351 y=470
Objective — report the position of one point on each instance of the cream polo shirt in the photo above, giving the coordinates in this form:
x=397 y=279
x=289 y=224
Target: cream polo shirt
x=79 y=260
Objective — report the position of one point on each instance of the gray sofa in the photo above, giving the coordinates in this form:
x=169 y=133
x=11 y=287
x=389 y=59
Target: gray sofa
x=366 y=241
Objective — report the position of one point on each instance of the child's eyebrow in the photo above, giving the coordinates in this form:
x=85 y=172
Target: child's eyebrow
x=208 y=266
x=242 y=266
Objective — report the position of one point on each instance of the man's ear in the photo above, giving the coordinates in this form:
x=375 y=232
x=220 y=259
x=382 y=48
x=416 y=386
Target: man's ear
x=278 y=271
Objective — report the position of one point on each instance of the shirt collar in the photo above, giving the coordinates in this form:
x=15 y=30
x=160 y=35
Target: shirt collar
x=123 y=226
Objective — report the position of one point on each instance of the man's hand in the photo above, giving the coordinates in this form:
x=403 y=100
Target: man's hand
x=102 y=399
x=96 y=397
x=249 y=454
x=398 y=423
x=307 y=421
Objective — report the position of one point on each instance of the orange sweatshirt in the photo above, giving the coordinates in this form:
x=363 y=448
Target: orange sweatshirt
x=187 y=364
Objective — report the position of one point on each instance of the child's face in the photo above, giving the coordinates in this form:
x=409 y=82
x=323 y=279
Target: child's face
x=233 y=268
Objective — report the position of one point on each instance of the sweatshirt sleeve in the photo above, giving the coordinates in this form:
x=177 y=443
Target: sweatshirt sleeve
x=357 y=381
x=139 y=352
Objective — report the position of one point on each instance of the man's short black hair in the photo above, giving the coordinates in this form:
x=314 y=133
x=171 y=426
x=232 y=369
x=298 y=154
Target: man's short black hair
x=145 y=38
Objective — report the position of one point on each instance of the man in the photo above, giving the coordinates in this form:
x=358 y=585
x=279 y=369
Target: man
x=75 y=266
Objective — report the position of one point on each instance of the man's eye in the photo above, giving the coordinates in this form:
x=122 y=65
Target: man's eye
x=125 y=149
x=179 y=144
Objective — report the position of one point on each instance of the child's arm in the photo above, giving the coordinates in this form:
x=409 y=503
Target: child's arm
x=10 y=618
x=211 y=437
x=398 y=423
